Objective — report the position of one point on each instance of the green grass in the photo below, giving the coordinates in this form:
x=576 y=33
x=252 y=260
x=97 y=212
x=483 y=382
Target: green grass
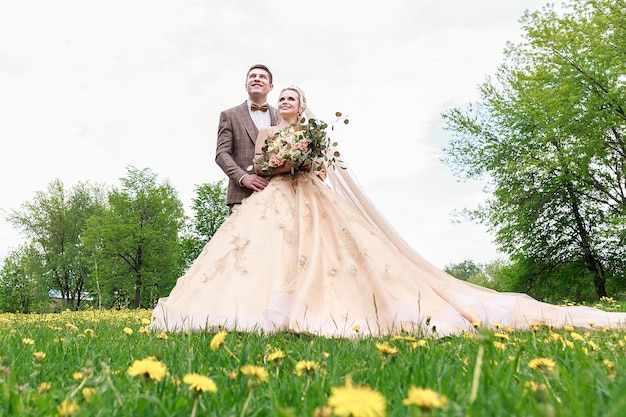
x=588 y=379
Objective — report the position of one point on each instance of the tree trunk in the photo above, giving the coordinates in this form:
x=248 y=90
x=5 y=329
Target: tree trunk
x=138 y=280
x=593 y=264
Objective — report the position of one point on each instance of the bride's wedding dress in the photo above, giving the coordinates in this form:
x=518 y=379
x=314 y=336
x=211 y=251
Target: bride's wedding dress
x=315 y=257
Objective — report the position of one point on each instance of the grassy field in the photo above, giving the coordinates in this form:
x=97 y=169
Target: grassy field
x=104 y=363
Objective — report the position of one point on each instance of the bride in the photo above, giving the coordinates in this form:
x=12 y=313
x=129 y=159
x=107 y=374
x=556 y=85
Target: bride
x=313 y=255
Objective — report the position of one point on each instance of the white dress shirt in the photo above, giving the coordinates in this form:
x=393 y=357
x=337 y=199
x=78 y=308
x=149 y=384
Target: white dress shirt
x=260 y=118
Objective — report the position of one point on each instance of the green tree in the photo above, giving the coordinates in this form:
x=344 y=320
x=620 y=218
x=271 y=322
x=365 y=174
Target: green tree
x=21 y=286
x=135 y=241
x=548 y=134
x=210 y=211
x=464 y=270
x=54 y=222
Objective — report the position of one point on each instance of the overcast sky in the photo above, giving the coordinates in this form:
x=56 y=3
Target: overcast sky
x=88 y=88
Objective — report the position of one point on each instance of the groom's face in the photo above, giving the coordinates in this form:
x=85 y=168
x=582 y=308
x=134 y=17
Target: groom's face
x=258 y=83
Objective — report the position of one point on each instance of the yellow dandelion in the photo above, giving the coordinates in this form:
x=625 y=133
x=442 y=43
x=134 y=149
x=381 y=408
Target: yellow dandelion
x=499 y=345
x=67 y=408
x=28 y=341
x=89 y=332
x=149 y=368
x=543 y=365
x=534 y=387
x=386 y=349
x=577 y=337
x=275 y=355
x=39 y=356
x=593 y=345
x=70 y=326
x=556 y=337
x=88 y=393
x=199 y=383
x=501 y=335
x=322 y=411
x=356 y=329
x=610 y=367
x=217 y=340
x=425 y=398
x=531 y=384
x=143 y=330
x=162 y=336
x=476 y=324
x=44 y=387
x=145 y=321
x=78 y=376
x=128 y=330
x=351 y=401
x=256 y=372
x=568 y=328
x=419 y=343
x=306 y=367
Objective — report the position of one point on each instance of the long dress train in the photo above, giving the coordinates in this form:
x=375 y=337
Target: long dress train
x=315 y=257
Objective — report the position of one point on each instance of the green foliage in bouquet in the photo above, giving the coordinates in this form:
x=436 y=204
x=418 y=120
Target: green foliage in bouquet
x=305 y=146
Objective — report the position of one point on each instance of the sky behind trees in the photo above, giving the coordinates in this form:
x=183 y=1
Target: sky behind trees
x=90 y=88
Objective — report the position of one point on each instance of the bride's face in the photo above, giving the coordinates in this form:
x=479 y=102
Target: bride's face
x=289 y=103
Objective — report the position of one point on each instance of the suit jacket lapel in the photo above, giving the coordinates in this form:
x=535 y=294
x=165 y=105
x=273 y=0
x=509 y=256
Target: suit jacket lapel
x=274 y=116
x=248 y=124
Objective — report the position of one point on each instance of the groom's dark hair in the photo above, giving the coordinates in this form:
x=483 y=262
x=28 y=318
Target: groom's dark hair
x=264 y=68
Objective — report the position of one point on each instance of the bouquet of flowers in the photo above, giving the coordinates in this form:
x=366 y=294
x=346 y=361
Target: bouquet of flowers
x=304 y=146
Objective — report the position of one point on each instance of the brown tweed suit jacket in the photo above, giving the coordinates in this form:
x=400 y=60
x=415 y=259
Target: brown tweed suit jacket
x=236 y=136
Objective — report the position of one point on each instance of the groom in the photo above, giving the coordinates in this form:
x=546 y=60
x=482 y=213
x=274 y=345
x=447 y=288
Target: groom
x=237 y=132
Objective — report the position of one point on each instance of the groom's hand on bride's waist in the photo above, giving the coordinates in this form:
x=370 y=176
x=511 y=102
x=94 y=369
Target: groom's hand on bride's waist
x=254 y=182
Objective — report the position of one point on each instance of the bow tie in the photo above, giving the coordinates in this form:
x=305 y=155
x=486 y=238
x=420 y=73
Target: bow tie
x=263 y=107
